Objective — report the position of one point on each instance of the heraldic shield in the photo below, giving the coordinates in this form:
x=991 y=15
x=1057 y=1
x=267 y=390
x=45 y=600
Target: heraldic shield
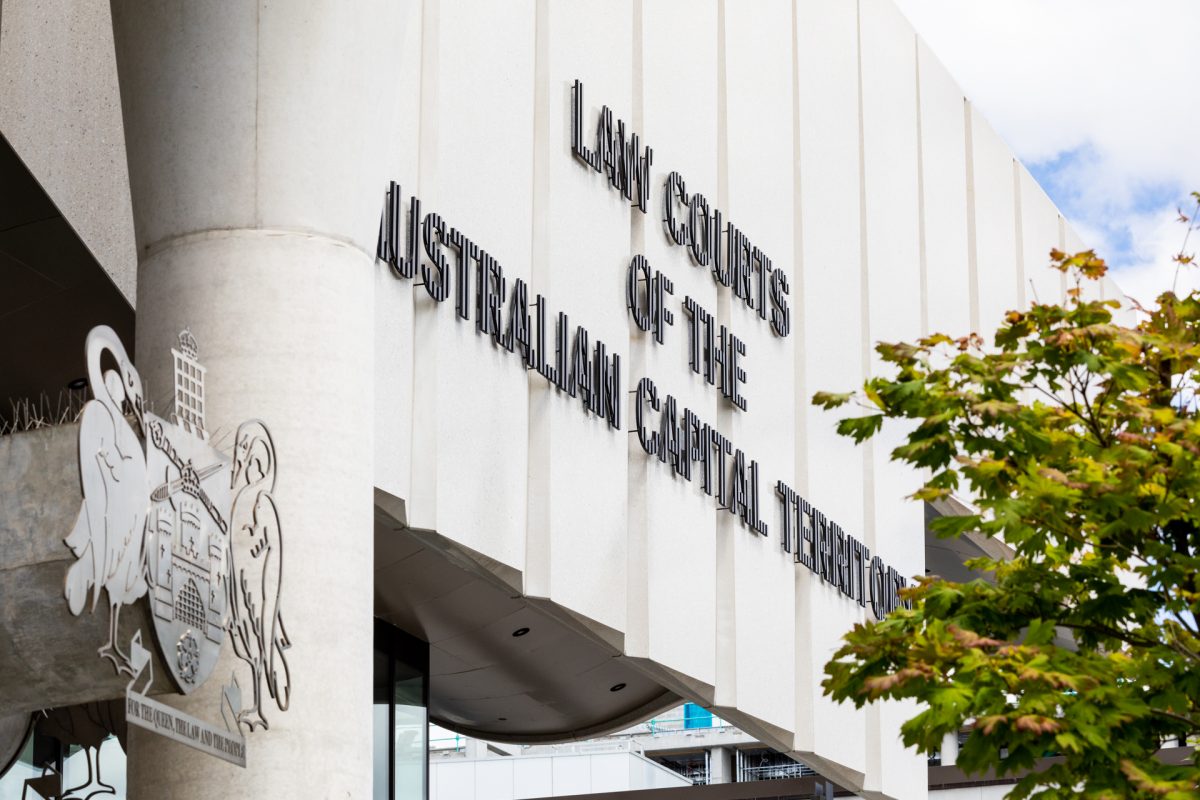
x=187 y=548
x=187 y=528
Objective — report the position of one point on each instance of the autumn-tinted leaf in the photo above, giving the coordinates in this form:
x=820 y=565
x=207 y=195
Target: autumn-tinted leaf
x=1072 y=447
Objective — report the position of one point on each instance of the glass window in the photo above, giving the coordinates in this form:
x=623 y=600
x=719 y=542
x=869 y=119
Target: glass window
x=400 y=718
x=381 y=710
x=410 y=734
x=47 y=767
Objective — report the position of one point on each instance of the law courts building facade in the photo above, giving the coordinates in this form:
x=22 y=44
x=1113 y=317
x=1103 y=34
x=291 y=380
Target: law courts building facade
x=531 y=297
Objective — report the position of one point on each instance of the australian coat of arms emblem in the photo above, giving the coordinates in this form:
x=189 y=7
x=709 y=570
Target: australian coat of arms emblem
x=167 y=515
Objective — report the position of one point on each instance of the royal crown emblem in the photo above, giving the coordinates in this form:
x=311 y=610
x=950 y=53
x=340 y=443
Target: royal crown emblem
x=167 y=515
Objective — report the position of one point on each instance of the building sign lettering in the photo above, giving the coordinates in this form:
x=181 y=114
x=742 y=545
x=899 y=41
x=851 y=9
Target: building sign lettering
x=582 y=367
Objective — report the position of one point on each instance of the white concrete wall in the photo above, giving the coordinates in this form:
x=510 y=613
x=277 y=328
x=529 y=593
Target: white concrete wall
x=577 y=487
x=758 y=195
x=1001 y=286
x=461 y=109
x=830 y=135
x=1040 y=224
x=891 y=183
x=949 y=297
x=678 y=103
x=831 y=351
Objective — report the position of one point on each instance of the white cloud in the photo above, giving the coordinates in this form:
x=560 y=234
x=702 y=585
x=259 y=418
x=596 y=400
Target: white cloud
x=1145 y=280
x=1101 y=98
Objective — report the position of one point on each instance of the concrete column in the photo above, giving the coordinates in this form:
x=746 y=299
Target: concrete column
x=950 y=749
x=257 y=137
x=720 y=765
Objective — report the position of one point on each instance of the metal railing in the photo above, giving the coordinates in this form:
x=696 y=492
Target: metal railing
x=447 y=744
x=584 y=748
x=776 y=772
x=663 y=725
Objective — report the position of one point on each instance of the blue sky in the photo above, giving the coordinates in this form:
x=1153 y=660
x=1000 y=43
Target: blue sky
x=1117 y=228
x=1101 y=100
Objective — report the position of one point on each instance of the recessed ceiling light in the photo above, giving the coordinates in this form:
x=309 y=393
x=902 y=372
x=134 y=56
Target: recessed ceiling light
x=617 y=688
x=520 y=631
x=78 y=384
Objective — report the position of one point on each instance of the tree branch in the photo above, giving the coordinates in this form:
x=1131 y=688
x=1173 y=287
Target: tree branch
x=1192 y=722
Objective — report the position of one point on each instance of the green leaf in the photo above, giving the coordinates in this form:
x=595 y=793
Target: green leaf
x=860 y=428
x=1076 y=442
x=831 y=399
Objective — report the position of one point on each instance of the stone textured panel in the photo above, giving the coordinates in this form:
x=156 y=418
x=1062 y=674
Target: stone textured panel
x=60 y=108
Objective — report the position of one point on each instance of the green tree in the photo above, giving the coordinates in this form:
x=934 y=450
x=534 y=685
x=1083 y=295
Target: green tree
x=1077 y=442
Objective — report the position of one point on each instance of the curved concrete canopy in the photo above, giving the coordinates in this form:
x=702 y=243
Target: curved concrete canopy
x=502 y=666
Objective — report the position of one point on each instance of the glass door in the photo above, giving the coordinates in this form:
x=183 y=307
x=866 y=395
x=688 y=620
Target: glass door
x=400 y=715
